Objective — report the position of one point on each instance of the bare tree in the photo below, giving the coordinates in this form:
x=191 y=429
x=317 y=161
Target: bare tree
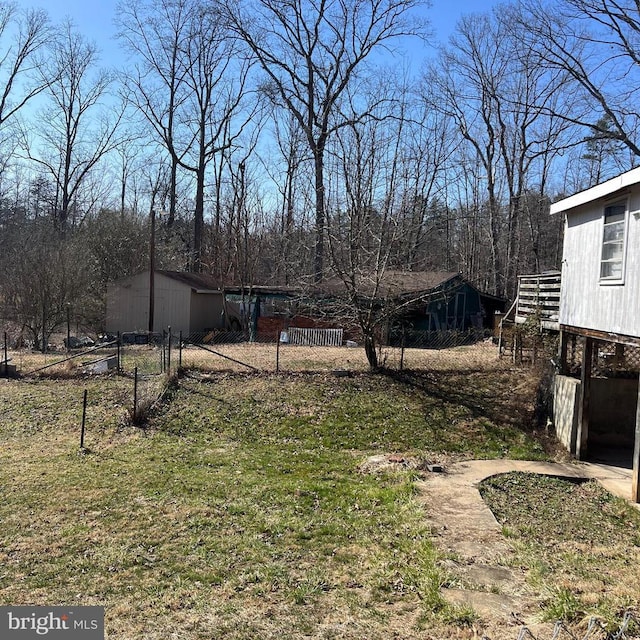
x=156 y=33
x=311 y=53
x=593 y=42
x=215 y=115
x=23 y=35
x=370 y=235
x=73 y=133
x=503 y=104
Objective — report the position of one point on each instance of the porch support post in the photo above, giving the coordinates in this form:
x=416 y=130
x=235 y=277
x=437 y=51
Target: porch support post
x=585 y=398
x=635 y=483
x=562 y=352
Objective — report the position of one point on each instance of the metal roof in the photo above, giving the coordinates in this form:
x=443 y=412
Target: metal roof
x=199 y=281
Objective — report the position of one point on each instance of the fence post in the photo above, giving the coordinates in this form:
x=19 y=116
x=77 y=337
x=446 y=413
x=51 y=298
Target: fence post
x=180 y=352
x=135 y=393
x=84 y=416
x=119 y=367
x=402 y=350
x=6 y=357
x=44 y=321
x=277 y=351
x=169 y=353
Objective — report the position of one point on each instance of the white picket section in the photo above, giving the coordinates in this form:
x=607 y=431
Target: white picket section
x=315 y=337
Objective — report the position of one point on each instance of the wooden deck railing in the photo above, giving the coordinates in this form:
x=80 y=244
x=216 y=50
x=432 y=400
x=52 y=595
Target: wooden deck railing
x=539 y=297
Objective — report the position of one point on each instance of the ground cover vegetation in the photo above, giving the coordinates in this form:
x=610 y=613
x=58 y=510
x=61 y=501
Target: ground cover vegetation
x=242 y=510
x=579 y=543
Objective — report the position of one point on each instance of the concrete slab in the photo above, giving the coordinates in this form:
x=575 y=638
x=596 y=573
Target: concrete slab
x=490 y=605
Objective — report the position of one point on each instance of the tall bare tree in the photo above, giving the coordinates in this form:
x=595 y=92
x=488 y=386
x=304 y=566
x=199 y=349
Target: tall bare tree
x=216 y=109
x=23 y=35
x=311 y=53
x=73 y=132
x=156 y=33
x=595 y=43
x=504 y=107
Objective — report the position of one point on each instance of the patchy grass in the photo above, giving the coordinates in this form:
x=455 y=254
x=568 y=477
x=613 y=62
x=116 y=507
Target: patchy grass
x=580 y=543
x=240 y=511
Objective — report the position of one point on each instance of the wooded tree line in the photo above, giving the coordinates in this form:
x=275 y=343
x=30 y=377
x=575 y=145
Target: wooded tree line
x=287 y=142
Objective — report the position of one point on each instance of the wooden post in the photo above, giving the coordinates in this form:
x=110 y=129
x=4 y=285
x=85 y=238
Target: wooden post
x=582 y=437
x=84 y=416
x=6 y=356
x=180 y=351
x=635 y=482
x=562 y=352
x=169 y=352
x=135 y=394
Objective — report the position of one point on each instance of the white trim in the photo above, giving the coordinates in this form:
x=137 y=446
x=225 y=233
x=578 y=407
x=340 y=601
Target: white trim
x=599 y=191
x=620 y=280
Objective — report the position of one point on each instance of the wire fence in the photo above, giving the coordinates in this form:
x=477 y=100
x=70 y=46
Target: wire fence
x=294 y=350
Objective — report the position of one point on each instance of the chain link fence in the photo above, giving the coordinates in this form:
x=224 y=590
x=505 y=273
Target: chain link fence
x=294 y=350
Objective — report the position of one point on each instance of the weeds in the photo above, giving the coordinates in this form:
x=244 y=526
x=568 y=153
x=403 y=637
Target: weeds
x=577 y=540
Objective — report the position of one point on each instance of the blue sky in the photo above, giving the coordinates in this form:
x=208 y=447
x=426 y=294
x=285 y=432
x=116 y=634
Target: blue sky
x=94 y=18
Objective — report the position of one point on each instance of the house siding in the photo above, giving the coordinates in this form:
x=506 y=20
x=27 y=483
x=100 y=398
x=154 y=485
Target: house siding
x=587 y=302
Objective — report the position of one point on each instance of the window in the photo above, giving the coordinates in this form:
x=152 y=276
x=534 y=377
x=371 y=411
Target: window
x=612 y=261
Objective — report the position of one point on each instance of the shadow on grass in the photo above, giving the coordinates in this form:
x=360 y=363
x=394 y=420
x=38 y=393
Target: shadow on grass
x=489 y=395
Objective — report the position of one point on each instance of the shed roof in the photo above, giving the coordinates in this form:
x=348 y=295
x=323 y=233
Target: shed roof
x=394 y=283
x=601 y=190
x=199 y=281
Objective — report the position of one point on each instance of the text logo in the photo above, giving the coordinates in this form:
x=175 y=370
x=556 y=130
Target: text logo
x=53 y=623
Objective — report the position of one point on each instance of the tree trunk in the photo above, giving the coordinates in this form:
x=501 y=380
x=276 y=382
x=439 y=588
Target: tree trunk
x=318 y=258
x=370 y=352
x=198 y=222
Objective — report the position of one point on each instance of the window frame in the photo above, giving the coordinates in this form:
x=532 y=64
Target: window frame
x=614 y=280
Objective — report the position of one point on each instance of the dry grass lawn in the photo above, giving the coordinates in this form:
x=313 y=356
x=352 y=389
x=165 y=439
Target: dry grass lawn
x=240 y=511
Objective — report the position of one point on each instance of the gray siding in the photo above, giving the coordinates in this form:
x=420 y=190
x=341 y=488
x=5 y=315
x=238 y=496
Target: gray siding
x=586 y=301
x=176 y=306
x=206 y=311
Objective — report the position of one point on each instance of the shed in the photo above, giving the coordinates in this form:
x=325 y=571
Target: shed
x=596 y=391
x=188 y=302
x=423 y=302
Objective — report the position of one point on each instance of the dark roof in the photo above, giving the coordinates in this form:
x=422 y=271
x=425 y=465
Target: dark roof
x=394 y=283
x=193 y=280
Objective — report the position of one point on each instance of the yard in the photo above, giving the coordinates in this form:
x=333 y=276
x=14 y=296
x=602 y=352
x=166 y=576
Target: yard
x=244 y=508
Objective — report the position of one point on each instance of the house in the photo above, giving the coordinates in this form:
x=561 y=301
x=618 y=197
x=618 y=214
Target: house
x=190 y=303
x=596 y=390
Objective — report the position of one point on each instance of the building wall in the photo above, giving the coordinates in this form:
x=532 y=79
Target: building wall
x=128 y=304
x=172 y=304
x=586 y=301
x=206 y=312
